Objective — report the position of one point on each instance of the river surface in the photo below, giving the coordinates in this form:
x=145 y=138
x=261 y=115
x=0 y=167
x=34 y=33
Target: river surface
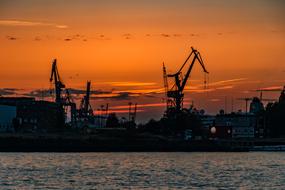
x=252 y=170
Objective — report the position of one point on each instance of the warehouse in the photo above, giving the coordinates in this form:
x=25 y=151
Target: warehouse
x=28 y=115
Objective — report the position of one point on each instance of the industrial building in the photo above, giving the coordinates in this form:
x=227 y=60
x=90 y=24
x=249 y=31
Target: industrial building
x=25 y=114
x=7 y=116
x=234 y=125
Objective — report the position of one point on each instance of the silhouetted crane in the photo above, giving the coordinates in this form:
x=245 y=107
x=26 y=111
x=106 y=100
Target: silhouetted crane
x=58 y=84
x=65 y=101
x=132 y=112
x=175 y=94
x=165 y=82
x=85 y=107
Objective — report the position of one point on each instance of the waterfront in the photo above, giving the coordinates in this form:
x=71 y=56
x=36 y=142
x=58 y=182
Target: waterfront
x=251 y=170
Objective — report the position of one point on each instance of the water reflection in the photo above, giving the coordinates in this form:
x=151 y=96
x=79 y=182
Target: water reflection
x=252 y=170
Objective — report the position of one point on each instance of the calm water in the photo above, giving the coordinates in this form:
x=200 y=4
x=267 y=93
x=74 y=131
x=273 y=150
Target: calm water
x=255 y=170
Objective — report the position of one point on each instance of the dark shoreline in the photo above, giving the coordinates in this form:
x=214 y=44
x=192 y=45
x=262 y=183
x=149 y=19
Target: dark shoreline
x=57 y=143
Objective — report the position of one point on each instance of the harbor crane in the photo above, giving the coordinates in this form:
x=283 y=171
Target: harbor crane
x=132 y=112
x=85 y=106
x=175 y=94
x=58 y=84
x=64 y=101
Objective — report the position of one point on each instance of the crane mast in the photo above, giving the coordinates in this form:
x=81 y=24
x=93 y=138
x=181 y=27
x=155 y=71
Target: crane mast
x=85 y=107
x=132 y=112
x=58 y=84
x=86 y=98
x=175 y=94
x=165 y=82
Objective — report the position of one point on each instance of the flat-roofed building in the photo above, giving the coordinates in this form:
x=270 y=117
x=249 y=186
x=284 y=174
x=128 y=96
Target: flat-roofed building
x=34 y=116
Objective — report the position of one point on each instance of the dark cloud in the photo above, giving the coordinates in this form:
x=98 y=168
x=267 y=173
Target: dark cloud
x=11 y=89
x=165 y=35
x=47 y=37
x=78 y=93
x=127 y=36
x=7 y=91
x=38 y=93
x=120 y=96
x=11 y=38
x=170 y=35
x=76 y=37
x=74 y=91
x=103 y=37
x=127 y=96
x=151 y=95
x=37 y=38
x=177 y=35
x=193 y=35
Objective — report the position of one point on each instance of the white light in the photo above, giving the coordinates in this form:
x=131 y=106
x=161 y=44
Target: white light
x=213 y=130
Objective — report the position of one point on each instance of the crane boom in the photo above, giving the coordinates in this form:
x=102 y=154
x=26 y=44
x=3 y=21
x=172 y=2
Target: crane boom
x=199 y=58
x=176 y=92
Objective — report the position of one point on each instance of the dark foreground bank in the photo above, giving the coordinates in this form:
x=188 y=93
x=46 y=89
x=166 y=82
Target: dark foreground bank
x=95 y=143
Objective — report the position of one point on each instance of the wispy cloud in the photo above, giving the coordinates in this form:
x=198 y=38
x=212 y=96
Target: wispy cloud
x=225 y=87
x=130 y=84
x=215 y=100
x=142 y=91
x=39 y=93
x=30 y=23
x=140 y=106
x=114 y=96
x=7 y=91
x=222 y=82
x=98 y=112
x=75 y=37
x=165 y=35
x=11 y=38
x=271 y=88
x=127 y=36
x=92 y=92
x=201 y=90
x=125 y=108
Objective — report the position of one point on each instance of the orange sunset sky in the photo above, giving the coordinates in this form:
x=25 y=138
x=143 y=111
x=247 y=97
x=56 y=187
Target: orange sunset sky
x=120 y=46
